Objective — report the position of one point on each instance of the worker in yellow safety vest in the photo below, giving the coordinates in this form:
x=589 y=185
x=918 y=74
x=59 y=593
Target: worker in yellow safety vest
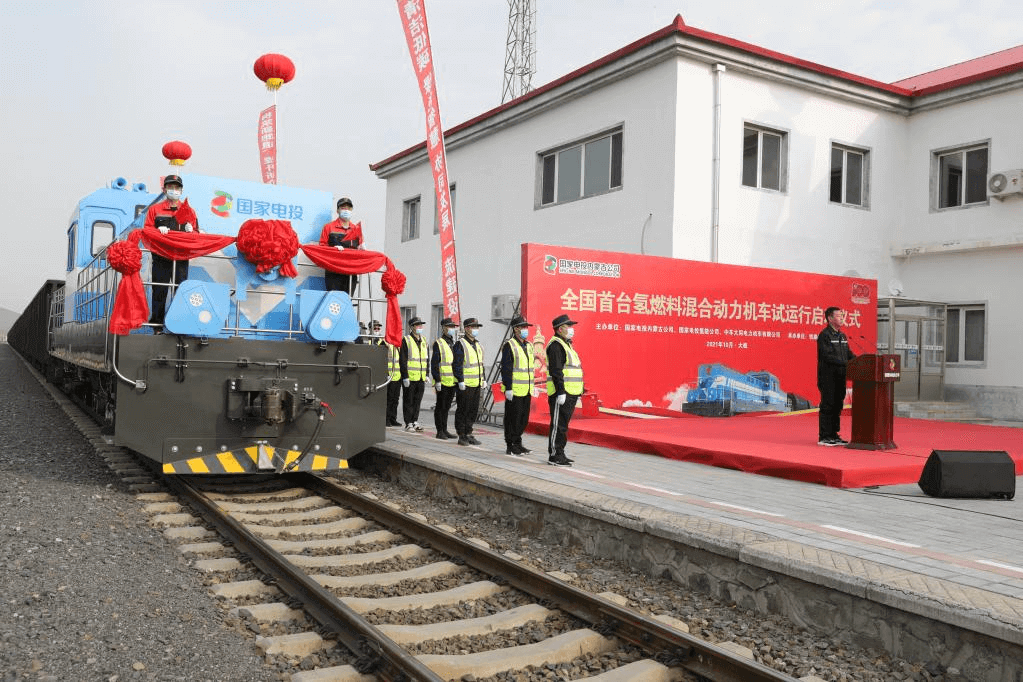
x=470 y=376
x=393 y=374
x=517 y=364
x=564 y=386
x=441 y=357
x=412 y=361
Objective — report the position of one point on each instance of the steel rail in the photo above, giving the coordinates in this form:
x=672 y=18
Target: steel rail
x=381 y=656
x=668 y=646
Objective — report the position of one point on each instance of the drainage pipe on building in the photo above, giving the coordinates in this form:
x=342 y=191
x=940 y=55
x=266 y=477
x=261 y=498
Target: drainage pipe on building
x=715 y=175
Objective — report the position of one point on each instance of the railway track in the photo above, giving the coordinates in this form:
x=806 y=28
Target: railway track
x=412 y=600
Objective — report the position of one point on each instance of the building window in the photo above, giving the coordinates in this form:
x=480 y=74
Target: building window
x=436 y=214
x=407 y=313
x=763 y=158
x=962 y=176
x=582 y=169
x=965 y=334
x=849 y=173
x=410 y=219
x=436 y=315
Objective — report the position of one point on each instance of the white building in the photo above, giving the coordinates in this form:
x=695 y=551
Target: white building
x=693 y=145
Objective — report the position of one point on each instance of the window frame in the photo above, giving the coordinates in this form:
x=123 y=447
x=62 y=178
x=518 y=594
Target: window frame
x=610 y=133
x=846 y=149
x=72 y=246
x=935 y=175
x=960 y=310
x=406 y=212
x=783 y=157
x=95 y=247
x=407 y=313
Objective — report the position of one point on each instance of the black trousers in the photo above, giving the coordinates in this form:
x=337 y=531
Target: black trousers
x=832 y=388
x=335 y=282
x=466 y=410
x=516 y=416
x=445 y=396
x=558 y=436
x=411 y=398
x=393 y=393
x=163 y=271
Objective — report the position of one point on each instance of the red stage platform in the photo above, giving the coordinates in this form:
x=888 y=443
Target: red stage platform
x=785 y=445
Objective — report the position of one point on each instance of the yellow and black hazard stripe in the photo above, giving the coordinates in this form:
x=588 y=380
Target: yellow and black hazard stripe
x=246 y=461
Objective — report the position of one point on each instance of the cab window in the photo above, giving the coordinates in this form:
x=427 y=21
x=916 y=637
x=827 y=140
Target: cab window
x=102 y=235
x=71 y=239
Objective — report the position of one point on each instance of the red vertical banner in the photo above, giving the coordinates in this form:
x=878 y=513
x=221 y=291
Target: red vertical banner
x=417 y=35
x=268 y=144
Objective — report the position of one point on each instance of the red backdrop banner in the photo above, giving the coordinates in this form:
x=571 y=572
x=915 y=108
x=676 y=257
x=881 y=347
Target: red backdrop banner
x=417 y=35
x=647 y=323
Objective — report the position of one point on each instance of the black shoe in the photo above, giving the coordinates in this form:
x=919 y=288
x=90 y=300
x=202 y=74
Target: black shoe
x=512 y=450
x=463 y=441
x=449 y=435
x=393 y=423
x=472 y=439
x=441 y=435
x=523 y=450
x=829 y=442
x=561 y=461
x=840 y=440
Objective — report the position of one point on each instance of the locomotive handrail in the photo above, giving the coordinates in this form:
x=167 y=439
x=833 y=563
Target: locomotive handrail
x=139 y=384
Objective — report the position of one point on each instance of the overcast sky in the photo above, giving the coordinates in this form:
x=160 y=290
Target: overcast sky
x=92 y=90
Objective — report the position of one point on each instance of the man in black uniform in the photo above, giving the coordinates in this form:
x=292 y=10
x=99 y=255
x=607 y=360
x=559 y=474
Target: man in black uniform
x=833 y=355
x=442 y=355
x=517 y=382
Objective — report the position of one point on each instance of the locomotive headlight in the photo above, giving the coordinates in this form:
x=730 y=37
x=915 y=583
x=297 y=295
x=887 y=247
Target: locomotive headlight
x=326 y=323
x=205 y=316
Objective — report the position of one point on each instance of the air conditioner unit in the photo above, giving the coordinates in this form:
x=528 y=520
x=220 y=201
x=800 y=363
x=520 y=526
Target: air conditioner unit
x=1004 y=183
x=502 y=307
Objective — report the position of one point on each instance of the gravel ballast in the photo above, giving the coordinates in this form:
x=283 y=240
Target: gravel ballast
x=89 y=590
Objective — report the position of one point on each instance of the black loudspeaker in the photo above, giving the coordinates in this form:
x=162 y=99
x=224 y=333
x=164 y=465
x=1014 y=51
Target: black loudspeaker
x=969 y=473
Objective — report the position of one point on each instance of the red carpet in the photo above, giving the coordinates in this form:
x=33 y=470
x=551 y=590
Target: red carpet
x=786 y=446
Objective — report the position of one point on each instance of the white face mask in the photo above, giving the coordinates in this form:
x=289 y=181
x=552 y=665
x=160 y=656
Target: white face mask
x=345 y=214
x=570 y=332
x=417 y=330
x=524 y=333
x=449 y=331
x=475 y=333
x=173 y=194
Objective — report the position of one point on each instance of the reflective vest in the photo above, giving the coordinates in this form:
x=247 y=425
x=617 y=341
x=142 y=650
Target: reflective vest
x=522 y=368
x=472 y=363
x=572 y=372
x=417 y=358
x=393 y=363
x=447 y=356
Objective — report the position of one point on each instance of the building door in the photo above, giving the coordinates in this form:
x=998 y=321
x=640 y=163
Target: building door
x=915 y=331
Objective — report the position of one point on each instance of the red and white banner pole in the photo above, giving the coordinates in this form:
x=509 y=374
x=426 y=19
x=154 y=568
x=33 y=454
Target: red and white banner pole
x=417 y=35
x=267 y=139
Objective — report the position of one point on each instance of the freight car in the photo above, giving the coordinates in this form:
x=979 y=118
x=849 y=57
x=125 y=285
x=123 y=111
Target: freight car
x=722 y=392
x=255 y=370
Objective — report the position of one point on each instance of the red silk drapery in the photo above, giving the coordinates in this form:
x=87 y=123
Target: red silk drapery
x=361 y=262
x=131 y=310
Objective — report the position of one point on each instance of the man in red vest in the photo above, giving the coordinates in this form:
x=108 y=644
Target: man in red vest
x=163 y=216
x=341 y=234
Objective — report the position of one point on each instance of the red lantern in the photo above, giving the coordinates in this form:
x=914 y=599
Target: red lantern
x=274 y=69
x=177 y=152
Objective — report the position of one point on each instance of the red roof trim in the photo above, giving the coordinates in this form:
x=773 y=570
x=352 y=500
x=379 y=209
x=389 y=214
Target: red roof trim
x=679 y=26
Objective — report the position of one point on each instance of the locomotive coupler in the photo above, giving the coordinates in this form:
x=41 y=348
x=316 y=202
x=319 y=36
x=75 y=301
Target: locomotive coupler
x=269 y=400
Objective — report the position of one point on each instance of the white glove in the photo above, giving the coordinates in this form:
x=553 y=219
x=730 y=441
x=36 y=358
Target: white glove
x=339 y=247
x=560 y=400
x=438 y=385
x=405 y=383
x=509 y=394
x=188 y=227
x=461 y=385
x=164 y=229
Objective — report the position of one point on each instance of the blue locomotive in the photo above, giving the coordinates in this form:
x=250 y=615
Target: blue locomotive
x=722 y=392
x=256 y=371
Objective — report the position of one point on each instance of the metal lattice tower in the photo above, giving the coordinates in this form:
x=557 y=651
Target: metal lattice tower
x=520 y=52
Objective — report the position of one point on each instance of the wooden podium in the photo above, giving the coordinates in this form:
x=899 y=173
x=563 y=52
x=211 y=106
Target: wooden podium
x=873 y=401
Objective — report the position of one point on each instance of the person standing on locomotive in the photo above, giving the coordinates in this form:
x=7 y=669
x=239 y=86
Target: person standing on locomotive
x=412 y=361
x=163 y=217
x=341 y=234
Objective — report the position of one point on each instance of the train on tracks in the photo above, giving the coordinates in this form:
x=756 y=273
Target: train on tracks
x=253 y=370
x=723 y=392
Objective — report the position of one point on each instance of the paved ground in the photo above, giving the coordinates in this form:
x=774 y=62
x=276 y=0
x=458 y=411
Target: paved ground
x=965 y=554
